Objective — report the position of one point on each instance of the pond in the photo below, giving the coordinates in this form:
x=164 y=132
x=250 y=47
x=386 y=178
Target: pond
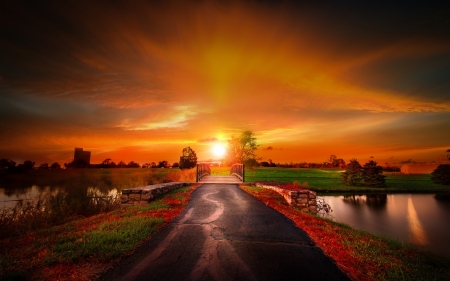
x=420 y=219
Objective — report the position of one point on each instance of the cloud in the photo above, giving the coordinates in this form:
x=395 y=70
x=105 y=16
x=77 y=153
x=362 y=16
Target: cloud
x=154 y=74
x=209 y=139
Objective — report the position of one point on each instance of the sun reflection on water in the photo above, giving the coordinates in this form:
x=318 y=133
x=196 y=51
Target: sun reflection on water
x=417 y=233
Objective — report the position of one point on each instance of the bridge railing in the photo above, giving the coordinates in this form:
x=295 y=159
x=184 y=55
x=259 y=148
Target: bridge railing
x=202 y=170
x=238 y=170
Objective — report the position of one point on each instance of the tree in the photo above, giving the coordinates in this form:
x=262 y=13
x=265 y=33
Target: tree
x=44 y=166
x=189 y=159
x=175 y=165
x=441 y=175
x=448 y=155
x=163 y=164
x=368 y=175
x=121 y=164
x=372 y=174
x=55 y=166
x=242 y=149
x=7 y=164
x=26 y=166
x=76 y=164
x=352 y=175
x=133 y=164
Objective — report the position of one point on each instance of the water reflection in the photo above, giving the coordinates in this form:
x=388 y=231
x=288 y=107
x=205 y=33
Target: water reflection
x=418 y=235
x=374 y=201
x=420 y=219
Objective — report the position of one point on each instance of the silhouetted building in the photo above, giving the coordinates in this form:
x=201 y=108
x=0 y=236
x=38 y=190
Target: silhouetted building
x=82 y=155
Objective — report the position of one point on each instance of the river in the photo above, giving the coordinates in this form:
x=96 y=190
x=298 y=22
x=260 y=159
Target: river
x=419 y=219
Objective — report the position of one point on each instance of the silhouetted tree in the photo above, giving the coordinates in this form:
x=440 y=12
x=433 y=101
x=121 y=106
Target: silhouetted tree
x=441 y=175
x=7 y=164
x=44 y=166
x=146 y=165
x=76 y=164
x=26 y=166
x=121 y=164
x=55 y=166
x=352 y=175
x=163 y=164
x=175 y=165
x=133 y=164
x=372 y=174
x=242 y=149
x=189 y=159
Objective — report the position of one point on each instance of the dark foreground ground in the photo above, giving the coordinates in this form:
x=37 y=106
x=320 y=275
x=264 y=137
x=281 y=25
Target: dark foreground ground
x=226 y=234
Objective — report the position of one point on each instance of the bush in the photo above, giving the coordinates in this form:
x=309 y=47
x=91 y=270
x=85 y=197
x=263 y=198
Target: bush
x=372 y=174
x=352 y=174
x=441 y=175
x=368 y=175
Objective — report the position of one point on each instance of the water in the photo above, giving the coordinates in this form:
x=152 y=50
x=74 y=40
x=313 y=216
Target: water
x=419 y=219
x=10 y=197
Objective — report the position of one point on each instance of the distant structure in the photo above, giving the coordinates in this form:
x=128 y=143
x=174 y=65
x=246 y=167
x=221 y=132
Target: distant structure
x=211 y=162
x=82 y=155
x=418 y=168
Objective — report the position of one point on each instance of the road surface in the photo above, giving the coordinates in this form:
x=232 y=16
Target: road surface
x=226 y=234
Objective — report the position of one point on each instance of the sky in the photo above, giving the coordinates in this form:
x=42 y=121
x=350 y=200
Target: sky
x=141 y=80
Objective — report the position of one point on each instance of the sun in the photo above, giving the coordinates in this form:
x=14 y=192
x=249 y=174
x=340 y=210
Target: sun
x=219 y=150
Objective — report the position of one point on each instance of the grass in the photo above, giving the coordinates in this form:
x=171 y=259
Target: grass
x=361 y=255
x=74 y=193
x=83 y=248
x=328 y=180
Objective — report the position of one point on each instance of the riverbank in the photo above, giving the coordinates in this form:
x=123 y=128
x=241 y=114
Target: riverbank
x=361 y=255
x=83 y=249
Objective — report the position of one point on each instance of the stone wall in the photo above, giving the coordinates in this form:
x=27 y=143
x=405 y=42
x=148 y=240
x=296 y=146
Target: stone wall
x=304 y=199
x=145 y=194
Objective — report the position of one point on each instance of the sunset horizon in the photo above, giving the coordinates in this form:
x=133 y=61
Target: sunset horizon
x=141 y=81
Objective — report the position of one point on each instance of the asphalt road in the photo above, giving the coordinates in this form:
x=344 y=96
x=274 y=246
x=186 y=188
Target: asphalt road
x=226 y=234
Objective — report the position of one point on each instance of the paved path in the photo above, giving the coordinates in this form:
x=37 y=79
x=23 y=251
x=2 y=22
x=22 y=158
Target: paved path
x=226 y=234
x=220 y=179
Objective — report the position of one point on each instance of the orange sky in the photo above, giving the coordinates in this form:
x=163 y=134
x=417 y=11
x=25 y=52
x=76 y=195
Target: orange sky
x=142 y=81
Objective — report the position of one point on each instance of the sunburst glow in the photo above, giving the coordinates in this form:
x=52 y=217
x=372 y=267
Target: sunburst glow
x=219 y=150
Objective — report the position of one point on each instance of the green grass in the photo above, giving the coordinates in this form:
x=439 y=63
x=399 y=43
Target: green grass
x=110 y=240
x=328 y=180
x=408 y=262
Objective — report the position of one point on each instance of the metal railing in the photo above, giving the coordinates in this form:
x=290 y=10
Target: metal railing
x=202 y=170
x=238 y=170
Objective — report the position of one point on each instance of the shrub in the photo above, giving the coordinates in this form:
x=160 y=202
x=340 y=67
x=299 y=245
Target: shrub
x=368 y=175
x=352 y=174
x=372 y=174
x=441 y=175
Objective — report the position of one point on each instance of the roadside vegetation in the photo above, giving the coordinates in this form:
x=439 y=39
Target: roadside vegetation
x=82 y=249
x=73 y=193
x=363 y=256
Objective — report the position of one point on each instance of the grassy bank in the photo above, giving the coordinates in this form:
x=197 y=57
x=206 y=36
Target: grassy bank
x=328 y=180
x=66 y=195
x=361 y=255
x=84 y=248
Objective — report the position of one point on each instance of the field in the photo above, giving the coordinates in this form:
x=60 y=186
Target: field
x=62 y=230
x=328 y=180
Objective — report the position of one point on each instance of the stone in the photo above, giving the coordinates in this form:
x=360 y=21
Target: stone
x=134 y=197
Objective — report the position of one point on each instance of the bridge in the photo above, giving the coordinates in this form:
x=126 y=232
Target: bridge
x=237 y=175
